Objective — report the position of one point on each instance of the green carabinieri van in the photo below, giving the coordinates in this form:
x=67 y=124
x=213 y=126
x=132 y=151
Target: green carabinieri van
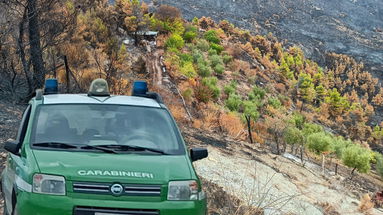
x=99 y=154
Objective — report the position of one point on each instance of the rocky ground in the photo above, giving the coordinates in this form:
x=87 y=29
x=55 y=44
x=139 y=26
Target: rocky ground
x=352 y=27
x=279 y=184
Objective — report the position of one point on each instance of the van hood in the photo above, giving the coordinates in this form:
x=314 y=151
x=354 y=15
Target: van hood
x=123 y=168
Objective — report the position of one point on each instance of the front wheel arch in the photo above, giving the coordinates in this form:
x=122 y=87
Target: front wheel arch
x=14 y=202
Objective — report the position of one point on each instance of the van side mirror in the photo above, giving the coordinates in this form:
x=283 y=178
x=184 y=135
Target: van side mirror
x=12 y=146
x=198 y=154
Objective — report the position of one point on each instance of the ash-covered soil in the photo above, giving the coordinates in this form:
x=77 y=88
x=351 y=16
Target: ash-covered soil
x=352 y=27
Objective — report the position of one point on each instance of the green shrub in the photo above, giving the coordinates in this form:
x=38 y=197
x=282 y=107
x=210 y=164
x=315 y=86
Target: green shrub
x=211 y=83
x=212 y=52
x=175 y=41
x=319 y=142
x=233 y=102
x=293 y=135
x=379 y=164
x=212 y=36
x=189 y=36
x=274 y=102
x=250 y=108
x=230 y=88
x=219 y=69
x=188 y=70
x=357 y=157
x=203 y=45
x=215 y=60
x=197 y=56
x=339 y=145
x=298 y=120
x=187 y=94
x=204 y=68
x=218 y=48
x=186 y=58
x=257 y=93
x=311 y=128
x=227 y=58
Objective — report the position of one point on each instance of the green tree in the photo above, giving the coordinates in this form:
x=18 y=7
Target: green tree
x=357 y=157
x=320 y=143
x=250 y=112
x=337 y=103
x=339 y=144
x=306 y=89
x=233 y=102
x=293 y=136
x=321 y=93
x=135 y=18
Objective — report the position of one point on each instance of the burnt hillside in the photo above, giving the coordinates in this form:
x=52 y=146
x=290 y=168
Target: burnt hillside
x=351 y=27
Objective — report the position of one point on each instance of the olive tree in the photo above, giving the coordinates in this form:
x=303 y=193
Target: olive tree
x=320 y=144
x=357 y=157
x=292 y=136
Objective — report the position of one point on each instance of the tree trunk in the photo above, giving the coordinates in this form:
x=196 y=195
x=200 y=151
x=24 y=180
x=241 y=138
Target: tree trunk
x=336 y=168
x=323 y=162
x=302 y=149
x=248 y=120
x=67 y=71
x=277 y=141
x=20 y=44
x=35 y=46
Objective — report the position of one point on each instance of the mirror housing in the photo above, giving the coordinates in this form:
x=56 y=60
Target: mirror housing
x=12 y=146
x=198 y=154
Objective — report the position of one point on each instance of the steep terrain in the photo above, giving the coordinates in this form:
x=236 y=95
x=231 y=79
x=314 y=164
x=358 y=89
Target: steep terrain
x=278 y=184
x=351 y=27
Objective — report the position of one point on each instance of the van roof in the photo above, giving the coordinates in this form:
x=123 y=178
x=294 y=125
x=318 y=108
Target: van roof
x=85 y=99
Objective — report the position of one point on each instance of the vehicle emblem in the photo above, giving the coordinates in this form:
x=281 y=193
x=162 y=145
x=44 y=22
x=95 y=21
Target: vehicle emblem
x=116 y=189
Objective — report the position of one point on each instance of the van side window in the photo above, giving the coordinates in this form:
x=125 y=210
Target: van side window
x=23 y=126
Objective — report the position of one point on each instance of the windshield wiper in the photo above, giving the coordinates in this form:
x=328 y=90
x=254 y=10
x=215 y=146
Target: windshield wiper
x=101 y=148
x=133 y=148
x=56 y=145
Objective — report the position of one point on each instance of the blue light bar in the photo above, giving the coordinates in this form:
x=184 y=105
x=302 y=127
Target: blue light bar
x=51 y=86
x=140 y=88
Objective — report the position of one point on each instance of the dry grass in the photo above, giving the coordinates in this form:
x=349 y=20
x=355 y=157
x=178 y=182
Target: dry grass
x=232 y=124
x=220 y=202
x=365 y=204
x=328 y=209
x=178 y=113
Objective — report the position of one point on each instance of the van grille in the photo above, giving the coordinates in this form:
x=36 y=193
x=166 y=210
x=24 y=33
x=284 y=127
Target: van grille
x=129 y=189
x=98 y=210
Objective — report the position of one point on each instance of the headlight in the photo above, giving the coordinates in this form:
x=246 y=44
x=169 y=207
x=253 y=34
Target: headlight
x=49 y=184
x=183 y=191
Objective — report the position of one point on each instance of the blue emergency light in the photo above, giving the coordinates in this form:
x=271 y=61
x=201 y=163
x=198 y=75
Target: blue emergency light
x=140 y=88
x=51 y=86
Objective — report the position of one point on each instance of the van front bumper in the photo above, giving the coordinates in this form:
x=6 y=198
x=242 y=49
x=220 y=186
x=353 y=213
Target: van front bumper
x=41 y=204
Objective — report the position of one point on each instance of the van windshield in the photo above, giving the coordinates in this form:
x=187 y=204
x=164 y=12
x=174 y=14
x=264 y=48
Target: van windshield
x=106 y=125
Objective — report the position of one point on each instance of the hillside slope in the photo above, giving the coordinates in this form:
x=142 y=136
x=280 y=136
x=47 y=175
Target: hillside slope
x=349 y=27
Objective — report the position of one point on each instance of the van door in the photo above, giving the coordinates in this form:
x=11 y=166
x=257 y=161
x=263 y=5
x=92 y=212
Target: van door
x=15 y=163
